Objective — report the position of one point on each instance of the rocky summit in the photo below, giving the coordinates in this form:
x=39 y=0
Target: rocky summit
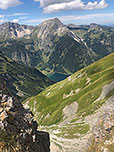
x=18 y=130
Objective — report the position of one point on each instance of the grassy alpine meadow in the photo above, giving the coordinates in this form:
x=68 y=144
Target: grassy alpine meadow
x=83 y=87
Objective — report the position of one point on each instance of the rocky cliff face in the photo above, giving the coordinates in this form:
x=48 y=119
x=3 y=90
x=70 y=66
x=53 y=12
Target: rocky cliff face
x=14 y=30
x=18 y=130
x=102 y=138
x=48 y=30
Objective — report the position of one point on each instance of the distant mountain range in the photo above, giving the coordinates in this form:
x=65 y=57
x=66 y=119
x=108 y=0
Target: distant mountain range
x=53 y=47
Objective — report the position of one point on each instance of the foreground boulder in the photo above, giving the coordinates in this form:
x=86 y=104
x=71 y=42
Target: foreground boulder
x=18 y=130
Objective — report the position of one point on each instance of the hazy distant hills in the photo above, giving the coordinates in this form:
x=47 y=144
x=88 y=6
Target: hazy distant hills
x=22 y=81
x=53 y=47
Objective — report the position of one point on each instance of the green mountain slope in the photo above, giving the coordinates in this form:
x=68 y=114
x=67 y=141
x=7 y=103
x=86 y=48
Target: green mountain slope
x=21 y=80
x=84 y=87
x=61 y=50
x=76 y=104
x=21 y=50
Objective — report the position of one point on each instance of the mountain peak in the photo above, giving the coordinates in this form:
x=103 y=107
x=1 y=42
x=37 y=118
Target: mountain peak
x=47 y=29
x=92 y=25
x=54 y=21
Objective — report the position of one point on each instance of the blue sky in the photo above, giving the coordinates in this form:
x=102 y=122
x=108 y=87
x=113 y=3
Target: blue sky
x=33 y=12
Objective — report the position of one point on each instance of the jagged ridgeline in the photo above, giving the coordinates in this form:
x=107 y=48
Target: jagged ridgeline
x=22 y=81
x=53 y=47
x=71 y=108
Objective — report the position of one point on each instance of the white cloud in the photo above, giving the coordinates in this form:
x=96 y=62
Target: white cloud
x=45 y=3
x=70 y=18
x=18 y=14
x=36 y=20
x=58 y=5
x=4 y=4
x=96 y=5
x=15 y=20
x=1 y=16
x=83 y=19
x=3 y=20
x=23 y=17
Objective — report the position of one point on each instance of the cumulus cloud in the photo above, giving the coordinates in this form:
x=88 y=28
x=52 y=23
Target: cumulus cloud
x=96 y=5
x=15 y=20
x=4 y=4
x=50 y=6
x=44 y=3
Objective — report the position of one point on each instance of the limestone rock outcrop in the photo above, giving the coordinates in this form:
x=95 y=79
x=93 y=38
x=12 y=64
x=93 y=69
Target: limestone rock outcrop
x=18 y=130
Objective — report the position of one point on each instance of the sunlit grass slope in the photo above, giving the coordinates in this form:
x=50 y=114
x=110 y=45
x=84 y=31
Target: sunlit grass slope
x=83 y=87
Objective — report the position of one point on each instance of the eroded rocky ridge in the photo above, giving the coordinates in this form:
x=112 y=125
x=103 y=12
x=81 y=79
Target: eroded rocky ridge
x=18 y=130
x=102 y=138
x=14 y=30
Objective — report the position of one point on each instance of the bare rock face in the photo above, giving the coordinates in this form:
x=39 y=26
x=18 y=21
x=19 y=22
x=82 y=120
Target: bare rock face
x=102 y=138
x=18 y=130
x=14 y=30
x=50 y=30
